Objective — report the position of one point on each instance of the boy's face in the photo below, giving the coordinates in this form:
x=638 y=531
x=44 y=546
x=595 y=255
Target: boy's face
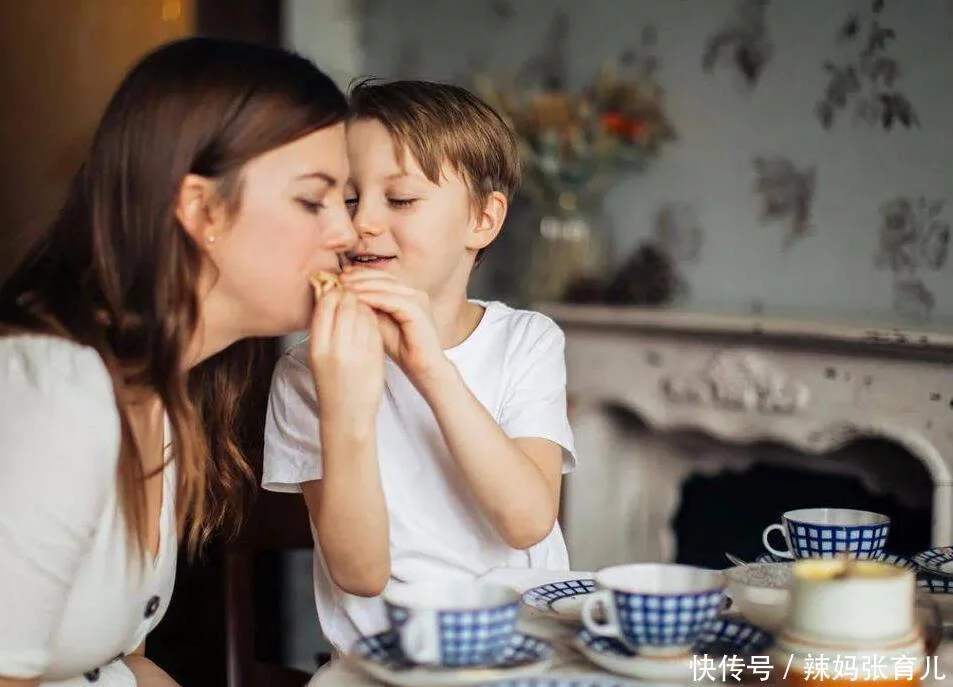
x=422 y=233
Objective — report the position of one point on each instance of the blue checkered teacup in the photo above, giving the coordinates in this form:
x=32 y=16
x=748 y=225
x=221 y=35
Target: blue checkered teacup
x=829 y=533
x=656 y=609
x=453 y=624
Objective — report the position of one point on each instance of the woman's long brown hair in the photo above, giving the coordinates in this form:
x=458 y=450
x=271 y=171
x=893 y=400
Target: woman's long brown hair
x=117 y=272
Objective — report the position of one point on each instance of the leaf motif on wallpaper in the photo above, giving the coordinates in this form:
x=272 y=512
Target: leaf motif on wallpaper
x=502 y=10
x=678 y=231
x=786 y=193
x=912 y=300
x=640 y=60
x=912 y=236
x=867 y=83
x=742 y=42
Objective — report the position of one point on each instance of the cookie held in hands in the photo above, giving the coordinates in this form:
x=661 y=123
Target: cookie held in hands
x=323 y=282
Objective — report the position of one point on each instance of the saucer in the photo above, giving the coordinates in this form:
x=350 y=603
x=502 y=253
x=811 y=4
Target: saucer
x=800 y=656
x=891 y=559
x=577 y=680
x=381 y=657
x=725 y=637
x=560 y=600
x=938 y=561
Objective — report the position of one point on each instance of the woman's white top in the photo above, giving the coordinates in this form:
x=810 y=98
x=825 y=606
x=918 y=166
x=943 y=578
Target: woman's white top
x=73 y=599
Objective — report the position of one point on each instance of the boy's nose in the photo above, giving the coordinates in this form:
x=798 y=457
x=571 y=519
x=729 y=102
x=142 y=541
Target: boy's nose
x=366 y=229
x=365 y=222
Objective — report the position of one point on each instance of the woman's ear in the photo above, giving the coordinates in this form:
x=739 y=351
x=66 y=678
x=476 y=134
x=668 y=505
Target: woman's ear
x=489 y=222
x=199 y=210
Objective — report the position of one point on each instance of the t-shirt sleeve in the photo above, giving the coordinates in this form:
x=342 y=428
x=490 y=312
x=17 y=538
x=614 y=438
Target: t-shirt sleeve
x=59 y=447
x=292 y=452
x=535 y=399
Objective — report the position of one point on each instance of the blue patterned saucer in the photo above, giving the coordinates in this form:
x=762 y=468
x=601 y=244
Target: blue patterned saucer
x=725 y=637
x=381 y=657
x=560 y=600
x=935 y=584
x=936 y=577
x=938 y=561
x=892 y=559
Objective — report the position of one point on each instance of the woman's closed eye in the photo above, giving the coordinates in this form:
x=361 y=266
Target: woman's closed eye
x=312 y=206
x=402 y=202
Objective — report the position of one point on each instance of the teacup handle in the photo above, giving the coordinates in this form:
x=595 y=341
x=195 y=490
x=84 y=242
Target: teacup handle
x=419 y=638
x=787 y=553
x=608 y=624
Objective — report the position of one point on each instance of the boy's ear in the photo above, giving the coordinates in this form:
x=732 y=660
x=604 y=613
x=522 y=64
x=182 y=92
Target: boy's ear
x=489 y=222
x=200 y=211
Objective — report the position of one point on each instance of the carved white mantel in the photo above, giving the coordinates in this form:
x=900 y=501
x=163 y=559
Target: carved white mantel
x=738 y=380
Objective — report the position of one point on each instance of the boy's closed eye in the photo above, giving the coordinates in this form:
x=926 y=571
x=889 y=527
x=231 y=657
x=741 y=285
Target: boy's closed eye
x=399 y=202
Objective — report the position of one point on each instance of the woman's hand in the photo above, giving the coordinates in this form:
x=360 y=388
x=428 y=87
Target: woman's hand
x=347 y=360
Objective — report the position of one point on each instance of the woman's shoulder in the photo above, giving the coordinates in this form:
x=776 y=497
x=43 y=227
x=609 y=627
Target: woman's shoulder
x=45 y=369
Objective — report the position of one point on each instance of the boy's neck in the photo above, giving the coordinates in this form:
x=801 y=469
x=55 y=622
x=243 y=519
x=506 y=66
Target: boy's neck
x=455 y=319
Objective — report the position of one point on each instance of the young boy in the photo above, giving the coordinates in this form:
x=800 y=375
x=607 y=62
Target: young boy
x=460 y=469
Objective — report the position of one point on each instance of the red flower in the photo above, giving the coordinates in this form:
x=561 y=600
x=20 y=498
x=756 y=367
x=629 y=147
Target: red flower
x=624 y=127
x=615 y=123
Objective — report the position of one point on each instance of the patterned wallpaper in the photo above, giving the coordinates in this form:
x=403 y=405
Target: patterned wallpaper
x=812 y=171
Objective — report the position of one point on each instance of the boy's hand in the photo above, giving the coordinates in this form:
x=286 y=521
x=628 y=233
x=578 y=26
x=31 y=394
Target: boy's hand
x=347 y=360
x=406 y=322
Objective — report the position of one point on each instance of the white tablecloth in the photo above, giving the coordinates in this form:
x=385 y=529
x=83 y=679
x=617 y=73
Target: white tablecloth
x=567 y=660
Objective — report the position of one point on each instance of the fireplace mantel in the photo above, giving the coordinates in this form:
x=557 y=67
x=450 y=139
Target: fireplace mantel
x=814 y=386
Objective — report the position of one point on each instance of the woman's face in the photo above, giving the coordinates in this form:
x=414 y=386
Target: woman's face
x=291 y=221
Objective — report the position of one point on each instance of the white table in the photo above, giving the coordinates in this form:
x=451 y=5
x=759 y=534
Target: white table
x=566 y=659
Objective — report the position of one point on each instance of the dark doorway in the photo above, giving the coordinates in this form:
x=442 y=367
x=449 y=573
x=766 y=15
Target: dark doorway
x=727 y=512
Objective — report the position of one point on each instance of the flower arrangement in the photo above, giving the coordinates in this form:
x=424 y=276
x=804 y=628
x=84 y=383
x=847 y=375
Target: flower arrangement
x=574 y=143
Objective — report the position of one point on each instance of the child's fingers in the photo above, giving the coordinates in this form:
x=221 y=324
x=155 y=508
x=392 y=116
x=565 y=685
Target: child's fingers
x=359 y=277
x=398 y=306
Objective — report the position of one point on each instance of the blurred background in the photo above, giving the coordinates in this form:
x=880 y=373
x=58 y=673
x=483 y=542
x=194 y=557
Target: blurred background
x=753 y=157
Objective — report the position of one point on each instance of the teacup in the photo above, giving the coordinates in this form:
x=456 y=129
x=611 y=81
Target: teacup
x=829 y=533
x=452 y=624
x=851 y=601
x=656 y=609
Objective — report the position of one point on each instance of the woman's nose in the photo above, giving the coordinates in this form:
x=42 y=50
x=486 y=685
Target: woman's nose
x=341 y=235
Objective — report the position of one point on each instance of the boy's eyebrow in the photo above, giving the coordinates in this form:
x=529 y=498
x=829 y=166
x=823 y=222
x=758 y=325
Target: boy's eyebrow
x=324 y=176
x=402 y=174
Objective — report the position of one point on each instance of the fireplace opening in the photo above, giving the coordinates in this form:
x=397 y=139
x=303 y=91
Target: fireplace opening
x=728 y=510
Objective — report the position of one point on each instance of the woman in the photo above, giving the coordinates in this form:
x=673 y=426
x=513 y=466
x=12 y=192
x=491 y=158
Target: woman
x=212 y=190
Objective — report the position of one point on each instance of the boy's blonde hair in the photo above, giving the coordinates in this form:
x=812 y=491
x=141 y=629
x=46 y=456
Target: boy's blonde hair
x=444 y=124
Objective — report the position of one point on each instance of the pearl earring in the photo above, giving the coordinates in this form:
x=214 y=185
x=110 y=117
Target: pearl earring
x=210 y=238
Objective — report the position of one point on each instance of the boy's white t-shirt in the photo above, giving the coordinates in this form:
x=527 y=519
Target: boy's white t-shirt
x=514 y=363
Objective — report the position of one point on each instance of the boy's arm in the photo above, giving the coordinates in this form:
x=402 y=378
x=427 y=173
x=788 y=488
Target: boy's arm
x=516 y=481
x=332 y=462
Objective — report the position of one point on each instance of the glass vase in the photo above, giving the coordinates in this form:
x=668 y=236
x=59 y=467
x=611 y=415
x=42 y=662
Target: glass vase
x=570 y=250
